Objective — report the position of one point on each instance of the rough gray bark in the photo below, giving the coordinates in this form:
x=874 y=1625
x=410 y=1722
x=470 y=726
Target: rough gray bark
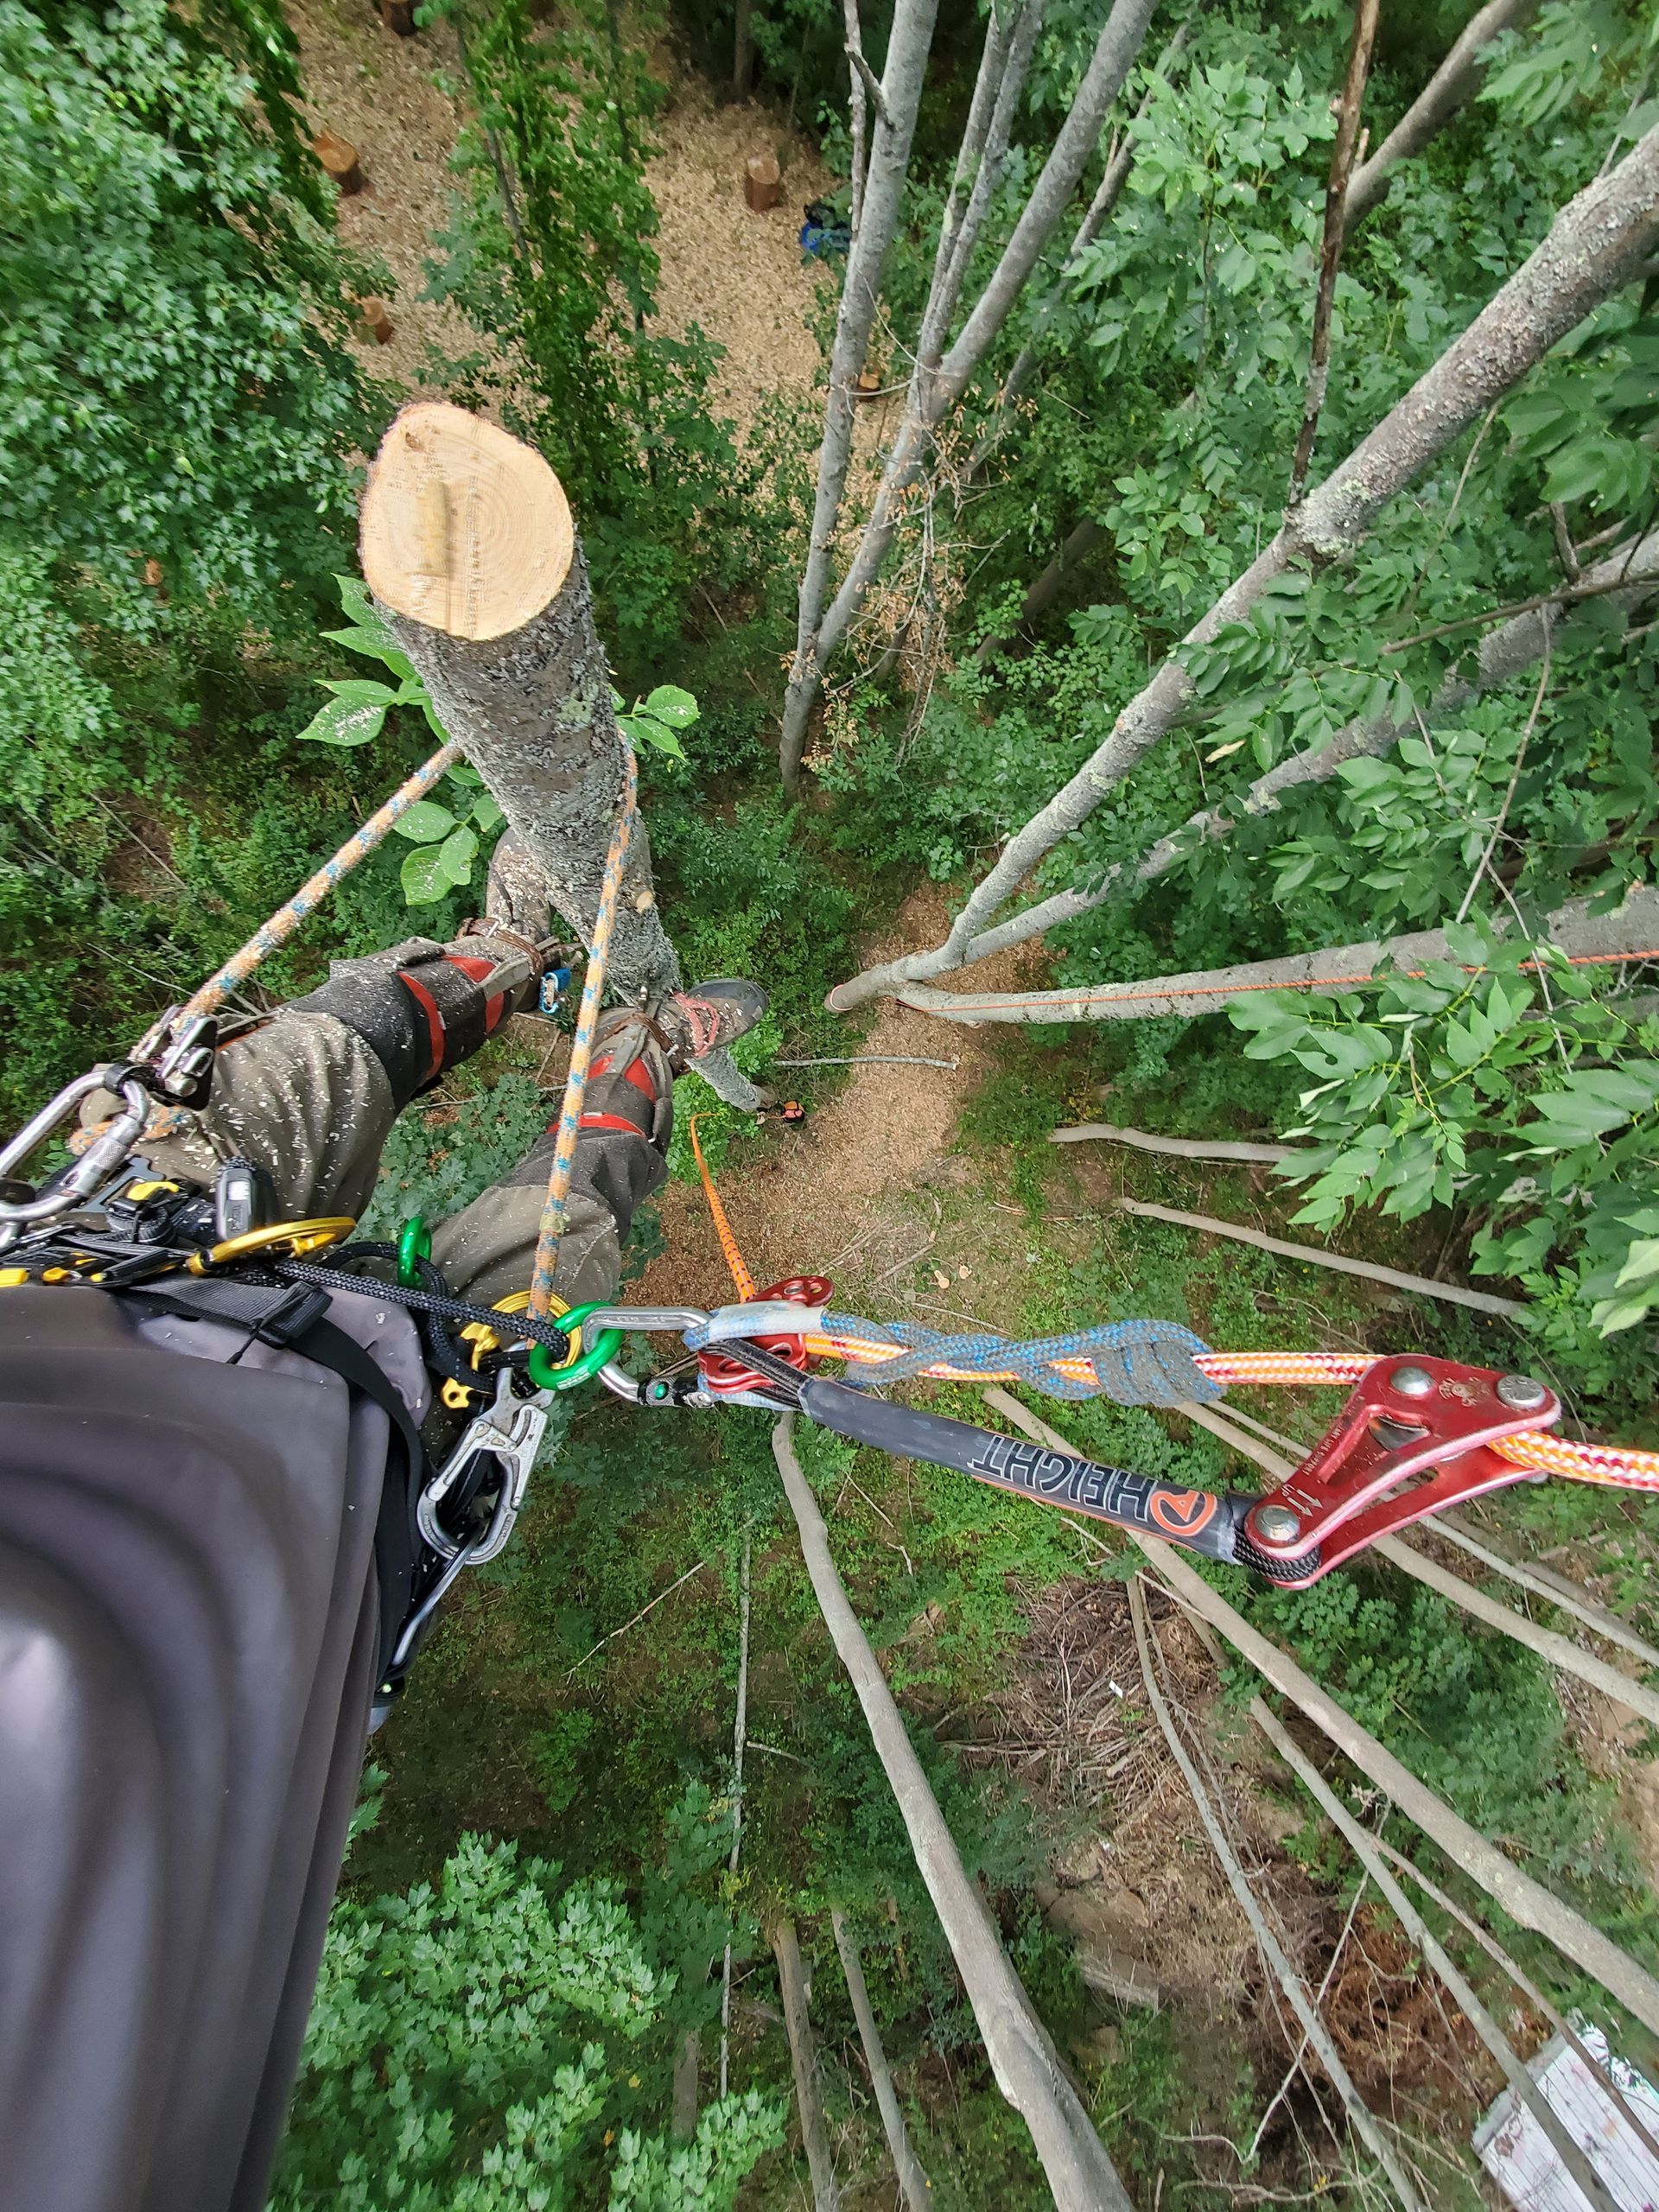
x=936 y=389
x=1453 y=84
x=858 y=108
x=1342 y=159
x=1527 y=1902
x=1595 y=244
x=532 y=713
x=803 y=2060
x=1504 y=653
x=1080 y=2176
x=1628 y=933
x=1363 y=1846
x=742 y=52
x=913 y=2184
x=1317 y=2035
x=884 y=184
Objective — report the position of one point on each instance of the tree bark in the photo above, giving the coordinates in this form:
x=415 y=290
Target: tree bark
x=742 y=52
x=1628 y=934
x=1423 y=1938
x=1114 y=53
x=1525 y=1901
x=883 y=185
x=1445 y=93
x=804 y=2059
x=858 y=109
x=1080 y=2176
x=1596 y=243
x=468 y=548
x=1046 y=588
x=913 y=2185
x=1342 y=161
x=1176 y=1148
x=1504 y=653
x=684 y=2122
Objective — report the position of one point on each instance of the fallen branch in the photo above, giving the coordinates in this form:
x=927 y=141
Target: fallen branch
x=1554 y=1588
x=913 y=2184
x=1482 y=1301
x=1363 y=1846
x=1523 y=1899
x=869 y=1060
x=1272 y=1951
x=1524 y=1983
x=1178 y=1147
x=1631 y=933
x=804 y=2061
x=571 y=1672
x=1080 y=2178
x=739 y=1731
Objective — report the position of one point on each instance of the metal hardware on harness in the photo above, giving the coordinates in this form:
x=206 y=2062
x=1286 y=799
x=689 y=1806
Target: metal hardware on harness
x=727 y=1378
x=510 y=1432
x=1414 y=1437
x=109 y=1151
x=286 y=1240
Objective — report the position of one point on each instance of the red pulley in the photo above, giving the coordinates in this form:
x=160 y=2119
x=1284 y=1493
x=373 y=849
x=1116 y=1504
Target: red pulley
x=723 y=1376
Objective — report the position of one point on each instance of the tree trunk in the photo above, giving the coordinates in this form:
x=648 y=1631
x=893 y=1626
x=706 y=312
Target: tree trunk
x=1504 y=653
x=684 y=2122
x=803 y=2057
x=934 y=391
x=742 y=52
x=913 y=2185
x=884 y=184
x=1596 y=243
x=1438 y=101
x=1527 y=1903
x=1631 y=933
x=468 y=548
x=1080 y=2176
x=858 y=108
x=1046 y=588
x=1342 y=161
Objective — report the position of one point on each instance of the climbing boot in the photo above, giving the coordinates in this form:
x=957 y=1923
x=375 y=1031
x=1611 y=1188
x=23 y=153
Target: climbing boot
x=706 y=1018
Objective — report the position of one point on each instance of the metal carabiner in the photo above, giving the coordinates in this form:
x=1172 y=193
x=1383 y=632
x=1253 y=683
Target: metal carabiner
x=511 y=1431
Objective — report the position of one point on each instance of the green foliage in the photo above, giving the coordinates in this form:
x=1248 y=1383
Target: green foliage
x=437 y=1161
x=482 y=2045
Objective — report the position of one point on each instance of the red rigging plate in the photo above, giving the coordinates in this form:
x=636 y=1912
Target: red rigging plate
x=722 y=1376
x=1411 y=1440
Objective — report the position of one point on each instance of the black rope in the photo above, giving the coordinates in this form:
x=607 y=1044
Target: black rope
x=546 y=1333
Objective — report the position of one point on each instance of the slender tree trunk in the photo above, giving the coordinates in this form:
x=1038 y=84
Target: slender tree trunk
x=1445 y=93
x=1627 y=577
x=913 y=2184
x=684 y=2122
x=1342 y=162
x=804 y=2059
x=889 y=160
x=1048 y=586
x=934 y=391
x=858 y=109
x=1080 y=2176
x=742 y=52
x=1596 y=243
x=1631 y=933
x=468 y=548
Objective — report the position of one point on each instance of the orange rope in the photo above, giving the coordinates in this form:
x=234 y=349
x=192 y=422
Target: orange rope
x=740 y=1275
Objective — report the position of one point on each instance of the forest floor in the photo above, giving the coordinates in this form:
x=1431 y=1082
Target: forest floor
x=889 y=1187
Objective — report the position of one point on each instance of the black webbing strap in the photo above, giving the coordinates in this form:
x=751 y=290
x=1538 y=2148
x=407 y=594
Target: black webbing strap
x=292 y=1317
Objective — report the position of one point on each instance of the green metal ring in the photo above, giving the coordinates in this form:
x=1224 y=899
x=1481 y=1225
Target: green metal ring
x=413 y=1244
x=543 y=1374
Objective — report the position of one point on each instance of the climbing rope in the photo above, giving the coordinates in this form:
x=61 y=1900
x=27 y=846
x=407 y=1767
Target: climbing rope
x=557 y=1209
x=740 y=1275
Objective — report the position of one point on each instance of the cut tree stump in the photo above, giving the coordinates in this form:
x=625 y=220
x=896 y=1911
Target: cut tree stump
x=377 y=323
x=339 y=158
x=398 y=15
x=763 y=182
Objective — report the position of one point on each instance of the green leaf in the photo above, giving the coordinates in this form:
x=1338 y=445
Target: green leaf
x=379 y=645
x=423 y=876
x=457 y=853
x=645 y=729
x=671 y=705
x=341 y=722
x=425 y=823
x=486 y=815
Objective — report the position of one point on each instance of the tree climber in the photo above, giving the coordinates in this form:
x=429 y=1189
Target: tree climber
x=209 y=1548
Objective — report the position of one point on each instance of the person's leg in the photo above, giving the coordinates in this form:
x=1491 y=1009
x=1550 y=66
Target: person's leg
x=309 y=1096
x=487 y=1250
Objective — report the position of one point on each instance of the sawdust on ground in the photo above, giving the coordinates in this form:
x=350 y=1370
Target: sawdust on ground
x=844 y=1192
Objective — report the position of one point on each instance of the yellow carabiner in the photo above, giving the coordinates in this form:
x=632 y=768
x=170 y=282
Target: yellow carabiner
x=291 y=1239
